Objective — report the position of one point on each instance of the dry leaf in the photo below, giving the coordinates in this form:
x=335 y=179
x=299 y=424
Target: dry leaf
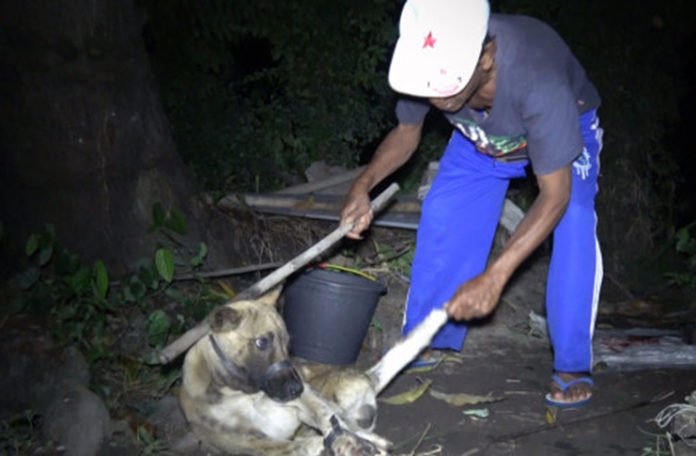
x=477 y=413
x=423 y=369
x=409 y=396
x=461 y=399
x=453 y=359
x=229 y=291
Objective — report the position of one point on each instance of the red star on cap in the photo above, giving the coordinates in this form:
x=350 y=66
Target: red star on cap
x=429 y=41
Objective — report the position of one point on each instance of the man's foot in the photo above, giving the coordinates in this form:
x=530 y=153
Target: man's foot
x=570 y=390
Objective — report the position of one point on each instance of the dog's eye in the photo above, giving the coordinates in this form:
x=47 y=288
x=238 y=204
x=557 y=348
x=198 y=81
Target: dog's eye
x=262 y=342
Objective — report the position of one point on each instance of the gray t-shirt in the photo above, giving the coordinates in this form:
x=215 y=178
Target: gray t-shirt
x=541 y=89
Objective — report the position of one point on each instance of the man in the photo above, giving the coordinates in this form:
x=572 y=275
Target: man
x=516 y=96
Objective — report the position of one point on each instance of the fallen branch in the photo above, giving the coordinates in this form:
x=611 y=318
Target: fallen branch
x=227 y=272
x=192 y=336
x=217 y=273
x=420 y=440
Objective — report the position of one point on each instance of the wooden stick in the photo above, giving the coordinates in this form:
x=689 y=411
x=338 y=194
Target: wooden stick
x=227 y=272
x=192 y=336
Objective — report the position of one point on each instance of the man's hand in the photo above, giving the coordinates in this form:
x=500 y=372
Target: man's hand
x=394 y=150
x=357 y=209
x=476 y=298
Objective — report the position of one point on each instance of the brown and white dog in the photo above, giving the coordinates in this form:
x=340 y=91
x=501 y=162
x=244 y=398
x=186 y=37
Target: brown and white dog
x=241 y=394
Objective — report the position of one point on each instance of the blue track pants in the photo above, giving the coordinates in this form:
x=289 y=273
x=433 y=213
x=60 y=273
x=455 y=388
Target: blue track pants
x=455 y=236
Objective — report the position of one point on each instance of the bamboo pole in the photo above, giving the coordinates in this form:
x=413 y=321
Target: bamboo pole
x=192 y=336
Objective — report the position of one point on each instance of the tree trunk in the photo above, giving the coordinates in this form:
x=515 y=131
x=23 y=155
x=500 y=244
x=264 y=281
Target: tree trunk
x=84 y=141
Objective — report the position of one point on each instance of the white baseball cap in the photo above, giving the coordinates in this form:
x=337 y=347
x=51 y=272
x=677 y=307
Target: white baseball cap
x=439 y=46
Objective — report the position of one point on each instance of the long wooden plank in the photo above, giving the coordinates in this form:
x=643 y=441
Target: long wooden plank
x=403 y=213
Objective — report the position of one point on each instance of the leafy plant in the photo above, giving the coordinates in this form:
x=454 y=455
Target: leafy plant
x=686 y=246
x=170 y=224
x=150 y=444
x=256 y=91
x=158 y=327
x=18 y=433
x=77 y=299
x=72 y=295
x=398 y=259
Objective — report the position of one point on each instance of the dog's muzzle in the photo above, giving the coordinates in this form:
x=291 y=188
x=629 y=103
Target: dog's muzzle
x=280 y=381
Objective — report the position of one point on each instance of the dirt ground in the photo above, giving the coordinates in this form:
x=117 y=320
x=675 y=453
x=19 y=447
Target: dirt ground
x=506 y=362
x=500 y=359
x=618 y=421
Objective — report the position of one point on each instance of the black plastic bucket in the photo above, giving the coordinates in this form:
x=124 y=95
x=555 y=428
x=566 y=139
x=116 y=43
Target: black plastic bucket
x=328 y=314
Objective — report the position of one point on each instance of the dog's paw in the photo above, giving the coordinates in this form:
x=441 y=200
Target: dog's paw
x=352 y=445
x=340 y=442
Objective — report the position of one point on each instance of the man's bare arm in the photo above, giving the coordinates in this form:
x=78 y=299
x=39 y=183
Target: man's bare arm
x=394 y=150
x=538 y=223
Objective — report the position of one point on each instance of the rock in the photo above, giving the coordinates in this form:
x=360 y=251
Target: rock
x=168 y=419
x=189 y=445
x=34 y=367
x=171 y=427
x=77 y=420
x=122 y=441
x=52 y=381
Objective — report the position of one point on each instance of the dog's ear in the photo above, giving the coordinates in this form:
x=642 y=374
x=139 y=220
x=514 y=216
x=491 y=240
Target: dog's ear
x=271 y=297
x=224 y=318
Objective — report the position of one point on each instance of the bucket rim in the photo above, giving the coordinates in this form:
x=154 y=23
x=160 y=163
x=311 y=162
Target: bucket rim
x=354 y=279
x=340 y=268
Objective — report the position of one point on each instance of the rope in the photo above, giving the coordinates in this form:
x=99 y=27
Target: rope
x=687 y=428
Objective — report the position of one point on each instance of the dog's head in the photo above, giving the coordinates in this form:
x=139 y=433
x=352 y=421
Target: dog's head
x=248 y=349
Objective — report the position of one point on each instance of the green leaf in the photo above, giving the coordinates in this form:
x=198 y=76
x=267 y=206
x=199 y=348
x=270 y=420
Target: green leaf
x=80 y=281
x=64 y=262
x=101 y=278
x=138 y=289
x=32 y=245
x=45 y=255
x=158 y=214
x=682 y=239
x=176 y=222
x=175 y=294
x=158 y=217
x=158 y=327
x=200 y=256
x=149 y=277
x=164 y=261
x=128 y=295
x=50 y=231
x=28 y=278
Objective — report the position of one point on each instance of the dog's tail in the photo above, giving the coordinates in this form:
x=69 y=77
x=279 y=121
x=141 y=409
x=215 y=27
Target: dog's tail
x=401 y=354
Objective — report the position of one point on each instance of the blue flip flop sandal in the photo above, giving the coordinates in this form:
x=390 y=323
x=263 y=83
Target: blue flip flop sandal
x=564 y=386
x=426 y=360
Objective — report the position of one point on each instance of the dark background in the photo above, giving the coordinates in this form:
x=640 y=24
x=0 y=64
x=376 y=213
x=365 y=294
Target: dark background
x=109 y=107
